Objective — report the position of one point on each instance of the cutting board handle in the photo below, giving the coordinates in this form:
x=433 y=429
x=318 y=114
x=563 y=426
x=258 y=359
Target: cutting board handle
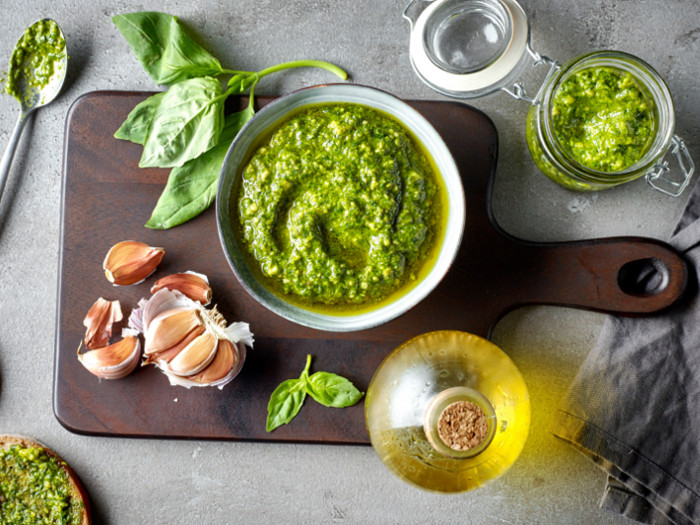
x=622 y=275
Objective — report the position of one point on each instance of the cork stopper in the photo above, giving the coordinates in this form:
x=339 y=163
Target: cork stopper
x=459 y=422
x=462 y=425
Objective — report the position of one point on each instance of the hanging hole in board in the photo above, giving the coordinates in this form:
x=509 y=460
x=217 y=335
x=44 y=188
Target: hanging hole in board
x=643 y=277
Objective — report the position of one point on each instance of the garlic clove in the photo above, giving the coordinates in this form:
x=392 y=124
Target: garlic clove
x=221 y=365
x=195 y=356
x=116 y=360
x=158 y=303
x=193 y=285
x=170 y=327
x=99 y=320
x=130 y=262
x=168 y=354
x=199 y=379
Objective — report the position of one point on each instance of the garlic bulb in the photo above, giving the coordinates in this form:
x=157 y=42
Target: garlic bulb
x=193 y=345
x=130 y=262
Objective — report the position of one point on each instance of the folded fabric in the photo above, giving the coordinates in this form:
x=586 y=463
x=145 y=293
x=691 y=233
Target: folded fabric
x=634 y=406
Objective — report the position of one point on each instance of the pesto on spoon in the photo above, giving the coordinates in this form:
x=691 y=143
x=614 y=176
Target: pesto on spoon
x=36 y=74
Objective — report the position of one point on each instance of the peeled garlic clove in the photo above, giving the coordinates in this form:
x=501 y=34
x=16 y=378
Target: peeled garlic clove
x=167 y=355
x=170 y=327
x=195 y=356
x=193 y=285
x=116 y=360
x=99 y=320
x=130 y=262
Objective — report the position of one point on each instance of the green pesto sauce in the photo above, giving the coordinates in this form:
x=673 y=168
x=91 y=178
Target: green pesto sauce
x=602 y=119
x=35 y=488
x=36 y=58
x=339 y=206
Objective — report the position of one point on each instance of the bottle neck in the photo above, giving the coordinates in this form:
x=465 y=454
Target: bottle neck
x=459 y=423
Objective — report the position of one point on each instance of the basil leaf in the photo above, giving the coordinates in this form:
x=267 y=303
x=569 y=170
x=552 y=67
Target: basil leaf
x=187 y=122
x=166 y=53
x=285 y=403
x=191 y=188
x=135 y=127
x=332 y=390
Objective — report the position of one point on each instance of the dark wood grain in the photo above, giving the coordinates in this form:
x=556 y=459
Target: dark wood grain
x=107 y=198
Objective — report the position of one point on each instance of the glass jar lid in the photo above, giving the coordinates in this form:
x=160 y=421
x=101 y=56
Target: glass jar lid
x=468 y=48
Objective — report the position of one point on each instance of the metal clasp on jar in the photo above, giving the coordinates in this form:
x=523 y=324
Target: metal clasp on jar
x=661 y=177
x=518 y=92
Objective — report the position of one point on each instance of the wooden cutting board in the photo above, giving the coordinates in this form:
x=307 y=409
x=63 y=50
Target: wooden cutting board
x=107 y=199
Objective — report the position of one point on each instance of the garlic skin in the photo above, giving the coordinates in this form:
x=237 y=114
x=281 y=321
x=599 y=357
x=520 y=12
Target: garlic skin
x=130 y=262
x=99 y=320
x=193 y=345
x=193 y=285
x=116 y=360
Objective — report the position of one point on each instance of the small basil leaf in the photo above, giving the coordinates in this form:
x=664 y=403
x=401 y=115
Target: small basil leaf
x=285 y=403
x=135 y=127
x=166 y=53
x=332 y=390
x=187 y=122
x=191 y=188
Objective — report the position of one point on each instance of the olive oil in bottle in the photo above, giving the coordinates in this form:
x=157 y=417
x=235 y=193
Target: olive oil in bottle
x=448 y=411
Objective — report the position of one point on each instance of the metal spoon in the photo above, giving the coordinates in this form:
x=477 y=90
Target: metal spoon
x=37 y=82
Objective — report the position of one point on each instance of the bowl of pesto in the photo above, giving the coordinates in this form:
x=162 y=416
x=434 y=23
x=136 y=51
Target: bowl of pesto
x=339 y=207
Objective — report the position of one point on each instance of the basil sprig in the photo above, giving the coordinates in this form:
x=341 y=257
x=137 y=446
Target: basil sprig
x=184 y=128
x=330 y=390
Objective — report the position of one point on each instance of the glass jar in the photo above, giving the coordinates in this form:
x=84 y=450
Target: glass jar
x=471 y=48
x=555 y=159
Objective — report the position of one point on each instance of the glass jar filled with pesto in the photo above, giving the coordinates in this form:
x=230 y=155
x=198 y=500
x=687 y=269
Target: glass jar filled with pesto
x=602 y=119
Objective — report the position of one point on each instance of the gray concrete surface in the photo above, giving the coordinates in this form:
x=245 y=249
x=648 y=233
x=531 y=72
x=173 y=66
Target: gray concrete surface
x=154 y=481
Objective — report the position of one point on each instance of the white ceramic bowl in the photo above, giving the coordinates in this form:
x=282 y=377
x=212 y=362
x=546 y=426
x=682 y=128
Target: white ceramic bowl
x=278 y=110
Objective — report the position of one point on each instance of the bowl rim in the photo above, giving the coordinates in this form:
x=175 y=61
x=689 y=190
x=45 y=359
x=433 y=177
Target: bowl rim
x=420 y=128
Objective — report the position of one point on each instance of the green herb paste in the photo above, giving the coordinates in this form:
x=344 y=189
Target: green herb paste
x=36 y=57
x=35 y=488
x=339 y=206
x=602 y=119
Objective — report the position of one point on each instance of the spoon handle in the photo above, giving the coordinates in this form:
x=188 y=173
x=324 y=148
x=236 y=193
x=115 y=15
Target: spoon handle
x=6 y=161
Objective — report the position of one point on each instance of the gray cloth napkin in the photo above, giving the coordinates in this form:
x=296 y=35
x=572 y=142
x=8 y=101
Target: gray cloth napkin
x=634 y=406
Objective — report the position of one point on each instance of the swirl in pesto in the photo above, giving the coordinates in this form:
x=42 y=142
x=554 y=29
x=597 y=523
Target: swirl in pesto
x=339 y=205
